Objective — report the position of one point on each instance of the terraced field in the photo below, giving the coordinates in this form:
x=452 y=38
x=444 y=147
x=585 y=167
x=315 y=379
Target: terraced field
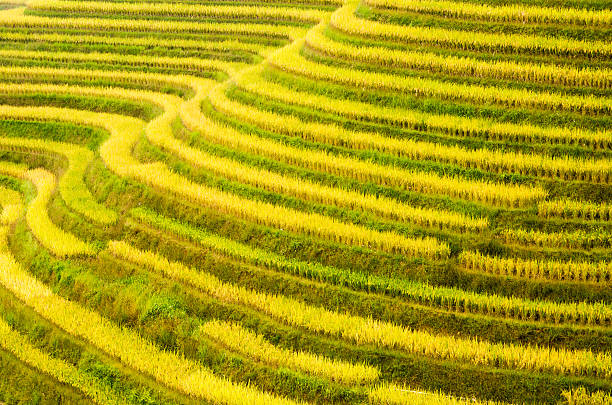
x=307 y=202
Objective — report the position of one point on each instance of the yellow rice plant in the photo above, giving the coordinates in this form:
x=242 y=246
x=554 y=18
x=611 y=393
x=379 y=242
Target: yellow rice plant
x=58 y=241
x=11 y=201
x=238 y=339
x=181 y=10
x=188 y=63
x=565 y=167
x=448 y=124
x=290 y=60
x=362 y=330
x=11 y=205
x=21 y=73
x=16 y=19
x=572 y=209
x=460 y=65
x=168 y=368
x=345 y=20
x=221 y=45
x=580 y=396
x=571 y=240
x=392 y=394
x=20 y=347
x=500 y=13
x=597 y=272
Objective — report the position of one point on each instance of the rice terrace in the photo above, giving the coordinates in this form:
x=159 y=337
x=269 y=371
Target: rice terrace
x=306 y=202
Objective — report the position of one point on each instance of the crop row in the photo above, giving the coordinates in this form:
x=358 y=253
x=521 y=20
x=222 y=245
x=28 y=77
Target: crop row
x=447 y=124
x=290 y=60
x=189 y=63
x=600 y=272
x=345 y=20
x=580 y=396
x=393 y=394
x=11 y=201
x=180 y=10
x=566 y=168
x=452 y=299
x=500 y=13
x=181 y=43
x=362 y=330
x=11 y=205
x=460 y=65
x=16 y=19
x=238 y=339
x=572 y=209
x=599 y=238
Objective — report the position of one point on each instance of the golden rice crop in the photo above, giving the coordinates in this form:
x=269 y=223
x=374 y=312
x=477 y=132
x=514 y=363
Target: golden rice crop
x=598 y=272
x=20 y=347
x=571 y=239
x=11 y=205
x=345 y=20
x=58 y=241
x=580 y=396
x=392 y=394
x=182 y=10
x=500 y=13
x=572 y=209
x=362 y=330
x=238 y=339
